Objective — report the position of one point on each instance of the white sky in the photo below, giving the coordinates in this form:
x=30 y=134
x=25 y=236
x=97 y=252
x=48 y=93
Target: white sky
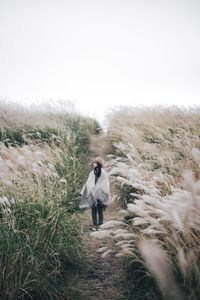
x=100 y=53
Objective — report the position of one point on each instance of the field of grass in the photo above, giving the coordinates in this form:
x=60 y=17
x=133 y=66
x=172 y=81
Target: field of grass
x=43 y=164
x=155 y=166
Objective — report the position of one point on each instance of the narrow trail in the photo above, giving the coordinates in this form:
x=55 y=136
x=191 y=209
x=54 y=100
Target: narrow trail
x=101 y=279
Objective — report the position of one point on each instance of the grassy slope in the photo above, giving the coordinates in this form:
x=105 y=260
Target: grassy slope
x=43 y=167
x=151 y=149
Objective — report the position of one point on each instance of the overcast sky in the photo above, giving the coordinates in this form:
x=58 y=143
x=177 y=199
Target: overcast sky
x=100 y=53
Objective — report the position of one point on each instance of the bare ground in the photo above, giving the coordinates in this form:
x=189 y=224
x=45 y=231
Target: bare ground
x=101 y=278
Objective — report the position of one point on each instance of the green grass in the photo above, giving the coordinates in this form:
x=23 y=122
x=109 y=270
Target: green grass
x=40 y=244
x=41 y=241
x=138 y=283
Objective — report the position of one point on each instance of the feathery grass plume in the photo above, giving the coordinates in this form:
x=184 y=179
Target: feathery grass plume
x=105 y=254
x=196 y=155
x=63 y=161
x=101 y=234
x=102 y=249
x=159 y=264
x=124 y=252
x=151 y=148
x=43 y=169
x=173 y=222
x=111 y=224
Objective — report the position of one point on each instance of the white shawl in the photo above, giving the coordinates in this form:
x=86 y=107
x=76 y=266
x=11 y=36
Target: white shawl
x=91 y=191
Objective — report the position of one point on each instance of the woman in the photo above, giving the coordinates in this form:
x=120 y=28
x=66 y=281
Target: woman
x=96 y=192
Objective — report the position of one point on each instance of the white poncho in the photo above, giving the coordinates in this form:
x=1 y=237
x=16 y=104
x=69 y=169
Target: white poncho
x=91 y=191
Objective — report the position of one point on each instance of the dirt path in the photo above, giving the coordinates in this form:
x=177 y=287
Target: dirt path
x=101 y=279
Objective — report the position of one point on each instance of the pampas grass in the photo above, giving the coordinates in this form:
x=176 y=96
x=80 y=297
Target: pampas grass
x=152 y=146
x=42 y=168
x=155 y=169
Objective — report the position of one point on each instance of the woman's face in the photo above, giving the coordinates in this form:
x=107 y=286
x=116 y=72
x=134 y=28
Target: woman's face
x=94 y=164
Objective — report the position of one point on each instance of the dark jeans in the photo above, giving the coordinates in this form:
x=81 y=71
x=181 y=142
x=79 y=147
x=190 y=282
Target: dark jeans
x=97 y=210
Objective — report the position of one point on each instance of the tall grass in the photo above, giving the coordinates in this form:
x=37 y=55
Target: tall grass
x=153 y=146
x=42 y=169
x=155 y=163
x=40 y=244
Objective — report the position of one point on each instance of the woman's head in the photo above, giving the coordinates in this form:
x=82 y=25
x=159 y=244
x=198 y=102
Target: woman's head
x=98 y=161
